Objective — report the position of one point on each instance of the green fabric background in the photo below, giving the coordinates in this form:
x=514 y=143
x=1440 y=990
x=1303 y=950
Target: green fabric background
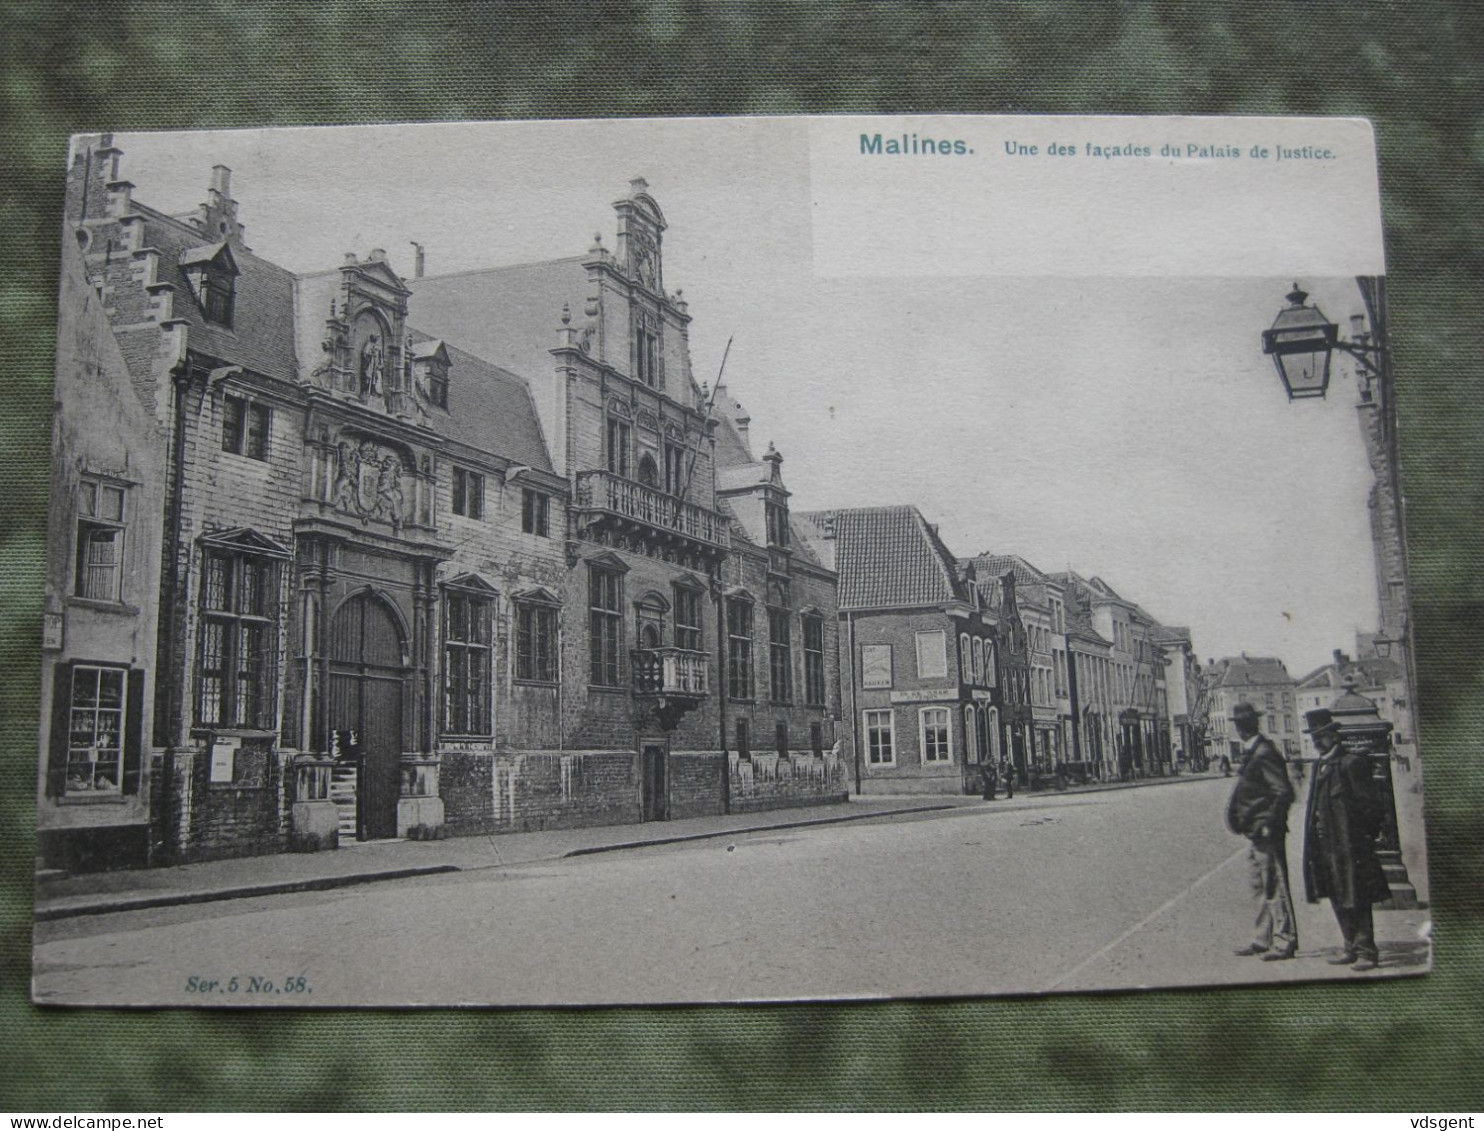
x=1414 y=68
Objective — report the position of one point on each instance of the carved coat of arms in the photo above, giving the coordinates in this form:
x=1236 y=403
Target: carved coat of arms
x=368 y=482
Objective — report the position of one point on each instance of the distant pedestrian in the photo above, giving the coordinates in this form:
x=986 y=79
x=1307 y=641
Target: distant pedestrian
x=1258 y=810
x=1341 y=825
x=1009 y=780
x=1226 y=766
x=989 y=780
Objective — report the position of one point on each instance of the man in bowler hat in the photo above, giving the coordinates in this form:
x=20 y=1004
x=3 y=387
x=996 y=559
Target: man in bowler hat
x=1340 y=829
x=1258 y=810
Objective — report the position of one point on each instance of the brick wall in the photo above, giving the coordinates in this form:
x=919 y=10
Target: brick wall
x=770 y=782
x=216 y=821
x=909 y=692
x=486 y=792
x=695 y=784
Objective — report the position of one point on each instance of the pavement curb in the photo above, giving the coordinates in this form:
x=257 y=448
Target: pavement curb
x=627 y=844
x=249 y=891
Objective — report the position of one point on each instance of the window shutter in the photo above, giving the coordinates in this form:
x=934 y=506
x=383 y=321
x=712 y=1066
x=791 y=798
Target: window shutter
x=134 y=731
x=56 y=765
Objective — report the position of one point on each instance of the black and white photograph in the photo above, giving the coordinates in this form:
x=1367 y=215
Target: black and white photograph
x=724 y=560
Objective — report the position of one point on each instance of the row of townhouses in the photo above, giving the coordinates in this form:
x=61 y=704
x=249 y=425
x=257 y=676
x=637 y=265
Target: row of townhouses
x=952 y=665
x=351 y=555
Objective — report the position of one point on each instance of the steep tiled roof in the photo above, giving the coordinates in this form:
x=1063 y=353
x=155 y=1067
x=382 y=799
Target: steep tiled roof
x=261 y=337
x=890 y=557
x=490 y=408
x=732 y=449
x=1170 y=634
x=1030 y=582
x=1243 y=671
x=741 y=476
x=1366 y=673
x=507 y=315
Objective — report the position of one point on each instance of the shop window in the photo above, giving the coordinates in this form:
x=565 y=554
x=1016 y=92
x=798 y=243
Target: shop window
x=95 y=730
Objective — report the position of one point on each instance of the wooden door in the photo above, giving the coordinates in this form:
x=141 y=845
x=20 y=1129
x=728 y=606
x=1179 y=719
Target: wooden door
x=368 y=686
x=652 y=800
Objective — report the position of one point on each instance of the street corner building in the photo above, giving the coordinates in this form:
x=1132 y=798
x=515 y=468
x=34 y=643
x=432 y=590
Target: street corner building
x=958 y=673
x=351 y=555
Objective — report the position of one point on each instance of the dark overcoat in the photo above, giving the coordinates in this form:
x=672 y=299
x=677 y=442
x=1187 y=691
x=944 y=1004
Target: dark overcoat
x=1262 y=794
x=1341 y=824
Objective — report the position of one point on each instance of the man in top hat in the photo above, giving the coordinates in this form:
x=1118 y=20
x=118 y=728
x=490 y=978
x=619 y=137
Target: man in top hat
x=1258 y=810
x=1340 y=829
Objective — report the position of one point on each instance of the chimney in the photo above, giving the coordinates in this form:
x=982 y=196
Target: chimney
x=417 y=259
x=1339 y=656
x=221 y=181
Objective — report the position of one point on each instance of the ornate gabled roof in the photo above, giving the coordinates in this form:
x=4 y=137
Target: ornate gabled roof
x=890 y=557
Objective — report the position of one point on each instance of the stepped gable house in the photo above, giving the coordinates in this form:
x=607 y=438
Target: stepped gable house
x=918 y=667
x=374 y=564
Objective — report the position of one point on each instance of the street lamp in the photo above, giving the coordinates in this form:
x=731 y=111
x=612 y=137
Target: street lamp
x=1301 y=343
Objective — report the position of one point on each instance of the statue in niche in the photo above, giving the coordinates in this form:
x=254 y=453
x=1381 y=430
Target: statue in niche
x=373 y=364
x=644 y=262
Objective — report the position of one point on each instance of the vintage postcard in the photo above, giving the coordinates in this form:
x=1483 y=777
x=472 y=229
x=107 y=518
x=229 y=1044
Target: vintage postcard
x=724 y=560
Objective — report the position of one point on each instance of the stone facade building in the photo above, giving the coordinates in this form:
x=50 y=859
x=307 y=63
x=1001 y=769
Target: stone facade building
x=368 y=556
x=1262 y=681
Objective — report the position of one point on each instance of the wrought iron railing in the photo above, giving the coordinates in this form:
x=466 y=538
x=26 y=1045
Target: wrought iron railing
x=604 y=491
x=670 y=671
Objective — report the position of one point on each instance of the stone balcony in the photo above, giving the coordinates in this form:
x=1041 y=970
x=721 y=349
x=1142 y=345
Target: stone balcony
x=671 y=672
x=604 y=497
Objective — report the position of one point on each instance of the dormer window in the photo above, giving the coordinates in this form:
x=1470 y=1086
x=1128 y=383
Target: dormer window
x=430 y=365
x=212 y=273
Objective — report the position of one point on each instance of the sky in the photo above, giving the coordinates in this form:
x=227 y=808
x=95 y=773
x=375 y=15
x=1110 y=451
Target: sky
x=1125 y=427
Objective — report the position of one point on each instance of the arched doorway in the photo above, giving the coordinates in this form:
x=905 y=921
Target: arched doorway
x=368 y=687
